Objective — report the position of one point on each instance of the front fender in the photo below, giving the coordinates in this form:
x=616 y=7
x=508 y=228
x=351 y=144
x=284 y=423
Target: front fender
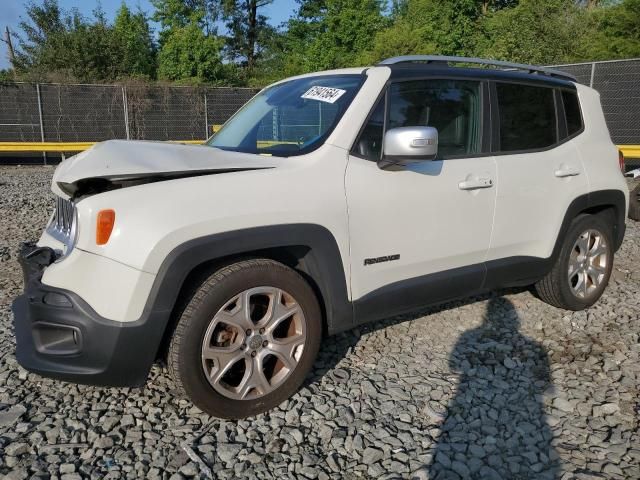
x=322 y=262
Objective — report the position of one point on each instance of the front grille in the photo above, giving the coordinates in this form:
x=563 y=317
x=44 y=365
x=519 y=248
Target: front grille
x=62 y=226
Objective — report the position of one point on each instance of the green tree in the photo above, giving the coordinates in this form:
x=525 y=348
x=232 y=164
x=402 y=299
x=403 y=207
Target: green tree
x=92 y=53
x=616 y=31
x=189 y=54
x=59 y=45
x=331 y=33
x=190 y=49
x=43 y=30
x=487 y=6
x=398 y=8
x=452 y=26
x=63 y=45
x=6 y=75
x=534 y=31
x=446 y=27
x=323 y=34
x=134 y=39
x=180 y=13
x=249 y=31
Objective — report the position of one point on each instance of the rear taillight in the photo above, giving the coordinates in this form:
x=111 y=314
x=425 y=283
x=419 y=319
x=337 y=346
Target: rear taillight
x=621 y=160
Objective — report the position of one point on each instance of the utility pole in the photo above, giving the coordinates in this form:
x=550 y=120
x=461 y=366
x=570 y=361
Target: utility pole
x=12 y=53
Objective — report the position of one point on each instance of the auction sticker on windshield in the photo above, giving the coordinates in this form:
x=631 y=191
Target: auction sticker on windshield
x=323 y=94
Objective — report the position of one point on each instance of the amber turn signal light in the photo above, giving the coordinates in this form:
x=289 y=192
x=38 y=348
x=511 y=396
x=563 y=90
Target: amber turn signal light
x=104 y=225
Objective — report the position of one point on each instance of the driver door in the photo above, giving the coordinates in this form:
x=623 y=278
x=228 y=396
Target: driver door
x=420 y=234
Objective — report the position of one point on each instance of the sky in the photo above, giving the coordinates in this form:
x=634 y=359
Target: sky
x=12 y=11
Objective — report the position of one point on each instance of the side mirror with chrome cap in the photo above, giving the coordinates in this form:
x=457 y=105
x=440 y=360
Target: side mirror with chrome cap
x=406 y=145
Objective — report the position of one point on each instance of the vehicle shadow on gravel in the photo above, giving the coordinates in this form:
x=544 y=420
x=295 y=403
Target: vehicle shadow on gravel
x=335 y=348
x=495 y=426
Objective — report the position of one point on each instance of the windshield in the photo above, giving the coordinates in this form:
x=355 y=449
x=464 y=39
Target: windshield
x=290 y=118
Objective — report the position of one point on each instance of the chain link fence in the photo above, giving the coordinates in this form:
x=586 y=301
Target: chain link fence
x=82 y=113
x=618 y=82
x=20 y=119
x=86 y=113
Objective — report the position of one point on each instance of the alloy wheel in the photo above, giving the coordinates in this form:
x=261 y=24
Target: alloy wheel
x=253 y=343
x=588 y=263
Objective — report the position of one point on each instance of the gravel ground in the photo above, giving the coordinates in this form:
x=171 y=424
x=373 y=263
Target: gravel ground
x=498 y=386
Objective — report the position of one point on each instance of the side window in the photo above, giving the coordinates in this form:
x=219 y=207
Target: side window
x=572 y=112
x=451 y=106
x=527 y=117
x=369 y=145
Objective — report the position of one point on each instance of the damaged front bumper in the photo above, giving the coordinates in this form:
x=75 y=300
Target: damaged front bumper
x=59 y=335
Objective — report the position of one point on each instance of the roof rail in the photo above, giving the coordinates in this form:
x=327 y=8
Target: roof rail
x=480 y=61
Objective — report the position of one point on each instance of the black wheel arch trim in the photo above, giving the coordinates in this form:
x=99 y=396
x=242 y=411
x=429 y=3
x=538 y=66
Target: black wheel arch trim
x=588 y=202
x=322 y=262
x=597 y=199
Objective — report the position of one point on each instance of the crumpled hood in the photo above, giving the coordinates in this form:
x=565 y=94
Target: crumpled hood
x=119 y=163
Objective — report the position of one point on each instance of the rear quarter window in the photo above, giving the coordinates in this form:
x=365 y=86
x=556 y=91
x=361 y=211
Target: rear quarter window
x=527 y=117
x=572 y=112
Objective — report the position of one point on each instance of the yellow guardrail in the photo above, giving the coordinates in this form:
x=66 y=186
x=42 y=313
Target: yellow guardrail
x=16 y=147
x=629 y=151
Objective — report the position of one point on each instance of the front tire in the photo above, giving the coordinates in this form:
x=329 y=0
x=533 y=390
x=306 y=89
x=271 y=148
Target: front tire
x=246 y=339
x=583 y=267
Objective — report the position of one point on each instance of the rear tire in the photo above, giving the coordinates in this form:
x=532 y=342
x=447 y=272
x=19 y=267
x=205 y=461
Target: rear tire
x=583 y=267
x=246 y=340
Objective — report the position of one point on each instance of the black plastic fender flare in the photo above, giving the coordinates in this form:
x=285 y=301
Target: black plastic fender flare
x=322 y=262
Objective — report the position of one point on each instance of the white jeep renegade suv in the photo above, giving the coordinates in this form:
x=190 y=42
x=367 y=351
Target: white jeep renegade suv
x=328 y=200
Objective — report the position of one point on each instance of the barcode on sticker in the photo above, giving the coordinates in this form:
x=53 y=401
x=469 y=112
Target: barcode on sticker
x=323 y=94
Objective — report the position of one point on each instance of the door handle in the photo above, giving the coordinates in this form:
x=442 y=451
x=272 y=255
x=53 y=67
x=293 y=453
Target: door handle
x=566 y=172
x=475 y=184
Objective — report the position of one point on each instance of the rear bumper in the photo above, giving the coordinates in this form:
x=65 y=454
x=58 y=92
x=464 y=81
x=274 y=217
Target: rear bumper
x=59 y=335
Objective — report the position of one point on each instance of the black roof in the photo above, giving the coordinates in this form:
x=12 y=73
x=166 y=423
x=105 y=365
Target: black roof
x=408 y=71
